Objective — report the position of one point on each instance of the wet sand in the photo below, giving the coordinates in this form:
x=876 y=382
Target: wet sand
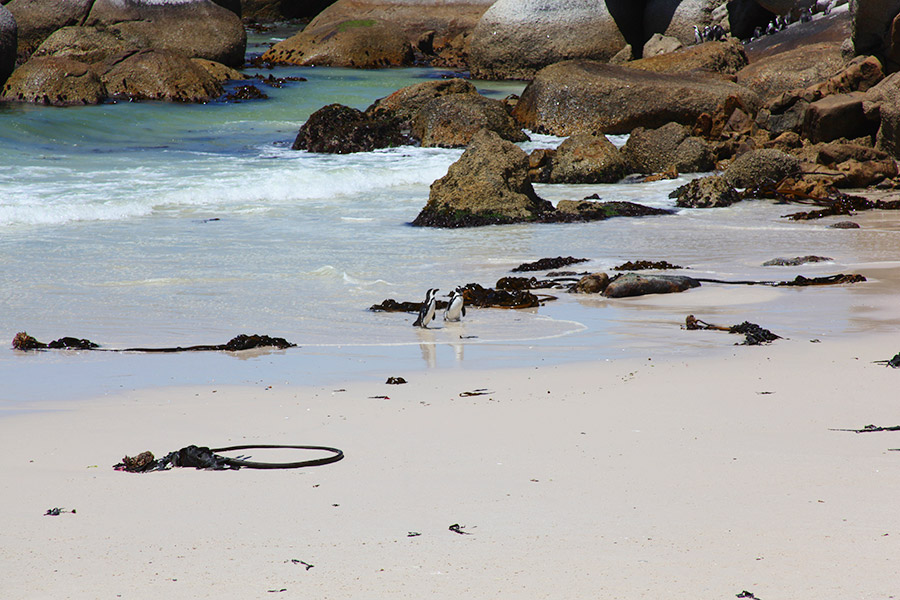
x=683 y=477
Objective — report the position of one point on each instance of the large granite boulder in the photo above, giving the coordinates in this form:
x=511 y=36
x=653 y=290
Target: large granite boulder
x=882 y=106
x=338 y=129
x=721 y=57
x=489 y=184
x=8 y=40
x=406 y=102
x=582 y=96
x=54 y=81
x=516 y=38
x=359 y=43
x=37 y=19
x=193 y=28
x=585 y=158
x=448 y=19
x=802 y=55
x=837 y=116
x=158 y=75
x=85 y=44
x=451 y=121
x=798 y=68
x=637 y=284
x=670 y=146
x=761 y=167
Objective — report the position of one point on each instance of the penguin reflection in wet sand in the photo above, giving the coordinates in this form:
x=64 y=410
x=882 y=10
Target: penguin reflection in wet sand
x=456 y=308
x=426 y=311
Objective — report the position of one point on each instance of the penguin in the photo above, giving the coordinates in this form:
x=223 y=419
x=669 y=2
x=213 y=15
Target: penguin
x=426 y=311
x=698 y=37
x=456 y=308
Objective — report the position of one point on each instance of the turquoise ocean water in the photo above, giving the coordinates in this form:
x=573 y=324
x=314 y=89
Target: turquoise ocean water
x=161 y=225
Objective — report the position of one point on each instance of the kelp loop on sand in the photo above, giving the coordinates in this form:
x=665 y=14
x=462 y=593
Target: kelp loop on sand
x=23 y=341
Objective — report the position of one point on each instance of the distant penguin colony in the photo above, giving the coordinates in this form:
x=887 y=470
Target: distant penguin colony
x=780 y=22
x=426 y=311
x=456 y=308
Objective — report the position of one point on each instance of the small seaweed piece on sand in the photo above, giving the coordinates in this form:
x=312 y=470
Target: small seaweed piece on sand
x=754 y=335
x=545 y=264
x=640 y=265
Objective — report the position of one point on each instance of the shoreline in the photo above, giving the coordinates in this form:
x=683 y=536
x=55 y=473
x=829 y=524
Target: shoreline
x=695 y=476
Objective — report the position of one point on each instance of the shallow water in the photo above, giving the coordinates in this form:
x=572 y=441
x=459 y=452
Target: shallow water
x=163 y=225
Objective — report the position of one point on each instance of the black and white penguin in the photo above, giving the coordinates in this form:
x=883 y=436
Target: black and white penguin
x=698 y=37
x=426 y=311
x=456 y=308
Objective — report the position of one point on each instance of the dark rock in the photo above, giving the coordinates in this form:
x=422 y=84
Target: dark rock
x=657 y=150
x=595 y=283
x=54 y=81
x=574 y=211
x=245 y=92
x=761 y=167
x=158 y=75
x=633 y=284
x=481 y=297
x=796 y=261
x=844 y=225
x=338 y=129
x=584 y=158
x=643 y=265
x=488 y=185
x=583 y=96
x=269 y=11
x=707 y=192
x=361 y=43
x=540 y=164
x=406 y=102
x=451 y=121
x=545 y=264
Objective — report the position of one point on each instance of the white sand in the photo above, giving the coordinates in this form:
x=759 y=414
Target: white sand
x=631 y=479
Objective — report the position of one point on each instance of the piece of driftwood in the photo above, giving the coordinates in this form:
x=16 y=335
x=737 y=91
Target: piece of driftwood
x=23 y=341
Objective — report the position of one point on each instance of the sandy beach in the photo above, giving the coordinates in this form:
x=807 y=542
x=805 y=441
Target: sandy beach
x=643 y=478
